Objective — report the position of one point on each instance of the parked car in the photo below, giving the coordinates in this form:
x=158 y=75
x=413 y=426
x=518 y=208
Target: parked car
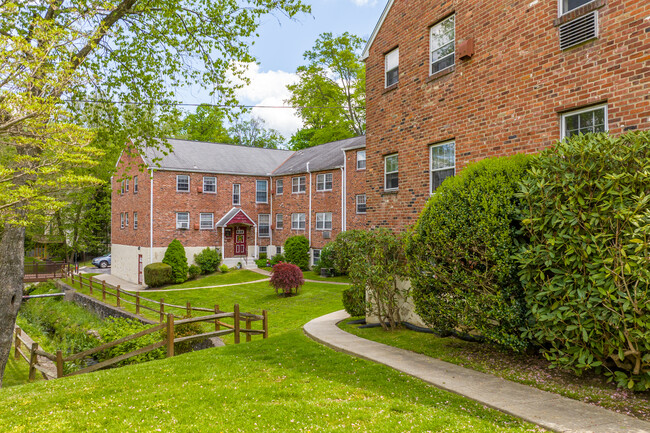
x=103 y=261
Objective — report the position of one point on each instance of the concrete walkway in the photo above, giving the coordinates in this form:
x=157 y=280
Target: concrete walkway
x=115 y=281
x=548 y=410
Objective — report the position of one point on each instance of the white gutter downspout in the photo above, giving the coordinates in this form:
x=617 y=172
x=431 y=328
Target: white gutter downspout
x=270 y=214
x=151 y=217
x=308 y=172
x=223 y=245
x=344 y=181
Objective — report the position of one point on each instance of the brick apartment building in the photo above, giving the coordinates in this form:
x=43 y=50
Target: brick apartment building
x=243 y=201
x=452 y=82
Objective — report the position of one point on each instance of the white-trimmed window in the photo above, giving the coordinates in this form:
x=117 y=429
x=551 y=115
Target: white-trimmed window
x=361 y=160
x=209 y=185
x=279 y=186
x=264 y=225
x=391 y=178
x=315 y=257
x=324 y=182
x=324 y=221
x=122 y=188
x=263 y=250
x=279 y=221
x=121 y=220
x=586 y=120
x=442 y=162
x=391 y=67
x=297 y=221
x=567 y=6
x=206 y=221
x=183 y=220
x=127 y=186
x=261 y=191
x=135 y=217
x=298 y=184
x=182 y=183
x=236 y=196
x=361 y=203
x=278 y=250
x=135 y=184
x=126 y=219
x=442 y=43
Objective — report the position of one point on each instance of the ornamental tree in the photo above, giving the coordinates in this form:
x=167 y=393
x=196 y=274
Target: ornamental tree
x=286 y=277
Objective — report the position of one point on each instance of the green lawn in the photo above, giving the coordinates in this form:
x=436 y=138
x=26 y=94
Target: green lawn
x=529 y=369
x=311 y=275
x=17 y=372
x=219 y=279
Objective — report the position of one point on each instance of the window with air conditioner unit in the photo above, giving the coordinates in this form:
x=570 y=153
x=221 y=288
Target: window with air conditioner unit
x=183 y=220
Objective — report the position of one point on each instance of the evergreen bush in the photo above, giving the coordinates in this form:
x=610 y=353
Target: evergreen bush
x=224 y=269
x=157 y=274
x=296 y=251
x=354 y=301
x=193 y=271
x=343 y=250
x=460 y=254
x=176 y=258
x=208 y=260
x=587 y=268
x=277 y=259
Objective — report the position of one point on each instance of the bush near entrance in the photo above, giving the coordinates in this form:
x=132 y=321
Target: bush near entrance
x=460 y=254
x=587 y=267
x=296 y=251
x=208 y=260
x=176 y=258
x=157 y=274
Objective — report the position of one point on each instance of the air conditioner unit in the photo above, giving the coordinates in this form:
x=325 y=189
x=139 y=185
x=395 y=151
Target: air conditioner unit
x=183 y=225
x=327 y=235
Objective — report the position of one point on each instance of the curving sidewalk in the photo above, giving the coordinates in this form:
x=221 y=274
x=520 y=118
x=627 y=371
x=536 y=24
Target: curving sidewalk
x=548 y=410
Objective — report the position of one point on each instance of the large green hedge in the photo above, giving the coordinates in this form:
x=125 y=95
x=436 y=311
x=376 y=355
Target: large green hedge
x=587 y=267
x=157 y=274
x=176 y=258
x=296 y=251
x=460 y=254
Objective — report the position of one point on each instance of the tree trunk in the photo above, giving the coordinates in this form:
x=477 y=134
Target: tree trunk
x=12 y=256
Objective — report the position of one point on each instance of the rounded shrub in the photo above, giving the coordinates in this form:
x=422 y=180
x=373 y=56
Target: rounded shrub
x=354 y=301
x=157 y=274
x=343 y=250
x=286 y=277
x=193 y=272
x=277 y=259
x=176 y=258
x=460 y=254
x=208 y=260
x=296 y=251
x=224 y=269
x=587 y=269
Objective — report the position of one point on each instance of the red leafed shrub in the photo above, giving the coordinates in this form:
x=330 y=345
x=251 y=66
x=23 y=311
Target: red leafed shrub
x=286 y=277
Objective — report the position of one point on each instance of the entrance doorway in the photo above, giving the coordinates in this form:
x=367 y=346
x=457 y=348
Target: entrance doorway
x=240 y=241
x=140 y=269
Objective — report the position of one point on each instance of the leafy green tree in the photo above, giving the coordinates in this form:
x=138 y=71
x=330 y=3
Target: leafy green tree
x=330 y=91
x=56 y=54
x=253 y=133
x=206 y=124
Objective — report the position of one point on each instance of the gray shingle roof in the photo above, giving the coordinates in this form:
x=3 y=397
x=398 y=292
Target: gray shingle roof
x=197 y=156
x=323 y=157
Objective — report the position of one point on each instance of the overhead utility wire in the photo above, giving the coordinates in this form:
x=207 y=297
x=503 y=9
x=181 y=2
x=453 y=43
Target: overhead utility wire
x=183 y=104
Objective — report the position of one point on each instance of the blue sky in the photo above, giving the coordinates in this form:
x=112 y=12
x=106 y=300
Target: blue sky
x=279 y=51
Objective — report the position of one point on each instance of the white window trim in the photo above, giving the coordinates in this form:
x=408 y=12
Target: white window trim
x=299 y=192
x=324 y=221
x=386 y=70
x=126 y=219
x=357 y=204
x=266 y=191
x=215 y=184
x=313 y=255
x=188 y=182
x=386 y=173
x=121 y=220
x=276 y=186
x=178 y=227
x=325 y=182
x=304 y=219
x=431 y=51
x=560 y=8
x=238 y=194
x=276 y=221
x=201 y=221
x=580 y=111
x=127 y=186
x=431 y=170
x=259 y=225
x=364 y=160
x=135 y=184
x=135 y=220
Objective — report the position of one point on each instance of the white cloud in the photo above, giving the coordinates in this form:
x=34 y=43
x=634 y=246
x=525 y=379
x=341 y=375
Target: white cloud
x=270 y=89
x=364 y=2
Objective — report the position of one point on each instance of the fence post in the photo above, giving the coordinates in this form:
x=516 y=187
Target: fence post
x=248 y=326
x=118 y=295
x=17 y=343
x=90 y=285
x=137 y=303
x=189 y=310
x=236 y=323
x=217 y=327
x=265 y=323
x=59 y=364
x=104 y=291
x=162 y=310
x=170 y=335
x=72 y=279
x=32 y=361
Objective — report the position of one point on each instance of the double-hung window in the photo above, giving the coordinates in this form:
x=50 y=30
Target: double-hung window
x=279 y=186
x=236 y=196
x=297 y=221
x=121 y=220
x=298 y=184
x=315 y=257
x=391 y=179
x=183 y=220
x=126 y=219
x=361 y=203
x=391 y=67
x=135 y=184
x=592 y=119
x=135 y=217
x=261 y=191
x=324 y=182
x=206 y=221
x=324 y=221
x=264 y=225
x=279 y=221
x=209 y=185
x=569 y=5
x=361 y=160
x=127 y=186
x=182 y=183
x=442 y=163
x=122 y=188
x=442 y=45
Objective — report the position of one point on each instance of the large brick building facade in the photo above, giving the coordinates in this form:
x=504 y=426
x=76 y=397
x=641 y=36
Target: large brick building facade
x=452 y=82
x=243 y=201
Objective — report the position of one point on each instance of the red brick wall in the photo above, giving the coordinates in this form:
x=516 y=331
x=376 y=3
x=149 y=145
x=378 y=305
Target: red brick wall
x=506 y=99
x=356 y=184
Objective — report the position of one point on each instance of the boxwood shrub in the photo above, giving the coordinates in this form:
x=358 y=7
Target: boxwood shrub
x=157 y=274
x=208 y=260
x=460 y=254
x=587 y=267
x=296 y=251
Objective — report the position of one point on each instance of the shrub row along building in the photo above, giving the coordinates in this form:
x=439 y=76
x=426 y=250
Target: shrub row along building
x=448 y=83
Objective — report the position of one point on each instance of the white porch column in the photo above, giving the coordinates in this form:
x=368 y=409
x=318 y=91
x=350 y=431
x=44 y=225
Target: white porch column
x=255 y=251
x=223 y=245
